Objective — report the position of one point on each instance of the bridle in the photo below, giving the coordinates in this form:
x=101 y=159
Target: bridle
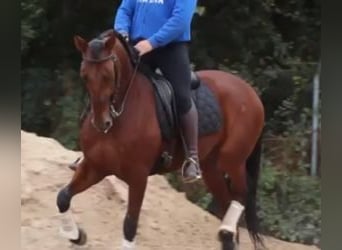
x=115 y=113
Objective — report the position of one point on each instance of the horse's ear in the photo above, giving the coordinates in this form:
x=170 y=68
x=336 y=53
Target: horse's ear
x=110 y=42
x=80 y=44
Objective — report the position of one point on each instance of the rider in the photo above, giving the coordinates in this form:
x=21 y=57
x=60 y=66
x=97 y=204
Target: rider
x=161 y=31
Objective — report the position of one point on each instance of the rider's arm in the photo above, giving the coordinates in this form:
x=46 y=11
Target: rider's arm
x=177 y=23
x=123 y=19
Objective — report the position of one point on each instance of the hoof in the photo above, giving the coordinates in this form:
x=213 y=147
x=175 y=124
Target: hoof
x=227 y=241
x=82 y=238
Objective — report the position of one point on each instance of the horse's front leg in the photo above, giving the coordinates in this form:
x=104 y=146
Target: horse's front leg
x=83 y=178
x=136 y=193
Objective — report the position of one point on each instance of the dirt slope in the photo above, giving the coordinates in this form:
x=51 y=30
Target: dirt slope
x=168 y=221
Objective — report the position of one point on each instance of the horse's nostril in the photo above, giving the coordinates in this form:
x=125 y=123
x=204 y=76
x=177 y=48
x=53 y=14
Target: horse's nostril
x=108 y=124
x=102 y=126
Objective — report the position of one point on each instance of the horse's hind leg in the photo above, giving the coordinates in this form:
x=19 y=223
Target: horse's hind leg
x=216 y=184
x=83 y=178
x=238 y=190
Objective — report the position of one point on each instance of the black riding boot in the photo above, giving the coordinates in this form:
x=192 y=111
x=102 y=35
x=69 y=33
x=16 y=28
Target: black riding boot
x=189 y=126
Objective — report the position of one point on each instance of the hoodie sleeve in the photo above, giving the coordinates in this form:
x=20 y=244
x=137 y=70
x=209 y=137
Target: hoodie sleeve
x=180 y=19
x=123 y=19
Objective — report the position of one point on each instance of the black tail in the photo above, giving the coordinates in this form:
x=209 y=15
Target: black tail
x=253 y=169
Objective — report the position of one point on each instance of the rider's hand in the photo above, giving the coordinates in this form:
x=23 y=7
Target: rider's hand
x=143 y=47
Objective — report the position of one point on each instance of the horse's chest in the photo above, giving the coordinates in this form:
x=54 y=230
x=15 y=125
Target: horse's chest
x=100 y=151
x=119 y=151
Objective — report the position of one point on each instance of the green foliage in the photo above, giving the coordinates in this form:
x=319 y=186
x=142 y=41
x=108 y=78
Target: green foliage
x=289 y=150
x=51 y=103
x=290 y=205
x=70 y=106
x=195 y=192
x=174 y=180
x=267 y=42
x=274 y=44
x=290 y=200
x=38 y=98
x=32 y=15
x=66 y=130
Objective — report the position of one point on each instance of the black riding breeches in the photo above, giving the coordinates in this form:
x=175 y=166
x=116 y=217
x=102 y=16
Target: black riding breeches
x=174 y=63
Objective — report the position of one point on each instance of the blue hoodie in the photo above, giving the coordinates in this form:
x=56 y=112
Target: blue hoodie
x=158 y=21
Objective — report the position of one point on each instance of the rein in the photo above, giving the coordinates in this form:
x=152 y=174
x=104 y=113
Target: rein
x=116 y=113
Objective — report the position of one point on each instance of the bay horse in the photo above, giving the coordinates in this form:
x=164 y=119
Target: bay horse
x=120 y=136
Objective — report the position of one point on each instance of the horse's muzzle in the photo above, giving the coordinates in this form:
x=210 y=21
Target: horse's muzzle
x=104 y=126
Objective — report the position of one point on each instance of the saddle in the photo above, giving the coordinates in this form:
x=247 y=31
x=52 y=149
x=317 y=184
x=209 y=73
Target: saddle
x=209 y=113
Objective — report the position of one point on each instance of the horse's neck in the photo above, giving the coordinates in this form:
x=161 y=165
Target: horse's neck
x=140 y=97
x=140 y=106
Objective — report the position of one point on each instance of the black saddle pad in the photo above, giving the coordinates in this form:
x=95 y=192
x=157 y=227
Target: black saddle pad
x=209 y=113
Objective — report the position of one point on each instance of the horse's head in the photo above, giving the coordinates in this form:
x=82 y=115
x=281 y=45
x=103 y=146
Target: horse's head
x=101 y=76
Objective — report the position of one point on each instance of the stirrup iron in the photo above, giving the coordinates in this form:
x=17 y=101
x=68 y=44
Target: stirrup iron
x=198 y=174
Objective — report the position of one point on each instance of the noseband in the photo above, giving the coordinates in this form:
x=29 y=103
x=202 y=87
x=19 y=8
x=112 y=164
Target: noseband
x=117 y=85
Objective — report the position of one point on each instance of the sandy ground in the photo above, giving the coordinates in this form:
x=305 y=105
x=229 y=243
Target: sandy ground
x=168 y=220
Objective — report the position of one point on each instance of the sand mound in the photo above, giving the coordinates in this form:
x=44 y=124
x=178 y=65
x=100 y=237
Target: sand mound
x=168 y=220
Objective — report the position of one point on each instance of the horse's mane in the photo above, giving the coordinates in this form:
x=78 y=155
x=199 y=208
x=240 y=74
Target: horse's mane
x=131 y=51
